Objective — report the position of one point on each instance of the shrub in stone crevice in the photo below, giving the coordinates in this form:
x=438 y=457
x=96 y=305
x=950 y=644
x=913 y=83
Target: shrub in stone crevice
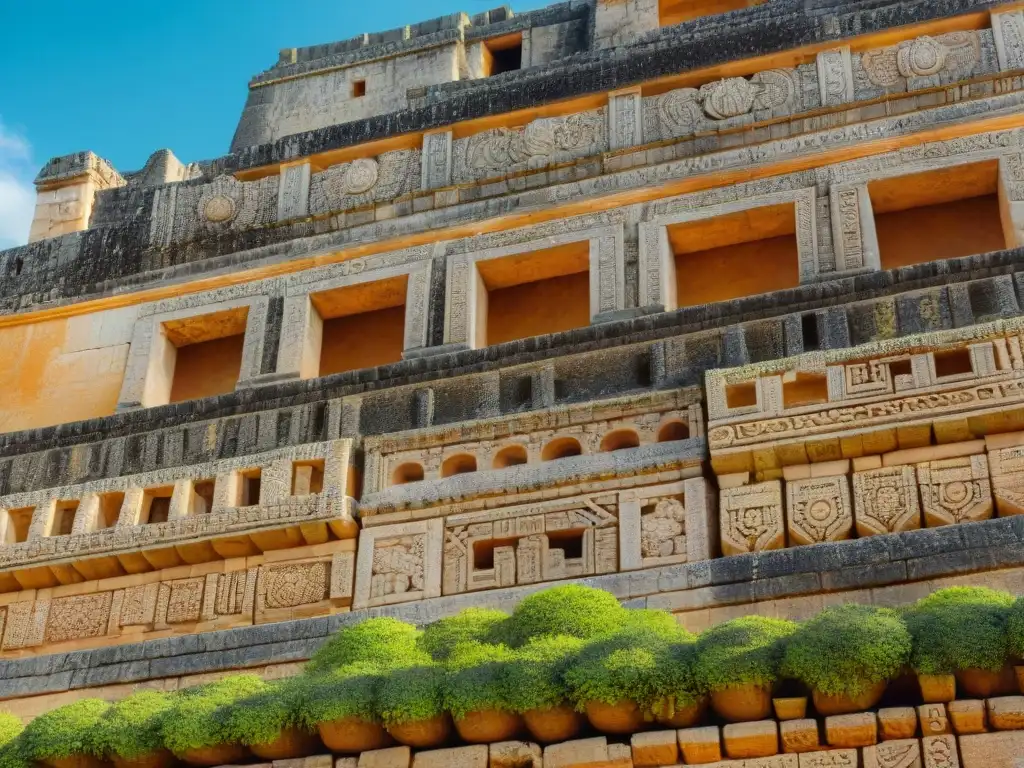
x=960 y=628
x=472 y=625
x=572 y=610
x=477 y=679
x=412 y=693
x=847 y=649
x=65 y=731
x=261 y=717
x=744 y=651
x=198 y=717
x=346 y=692
x=131 y=727
x=381 y=641
x=535 y=675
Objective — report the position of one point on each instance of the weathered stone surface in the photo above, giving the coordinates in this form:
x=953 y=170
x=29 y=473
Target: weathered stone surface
x=475 y=756
x=857 y=730
x=897 y=723
x=900 y=753
x=992 y=750
x=700 y=745
x=655 y=748
x=799 y=735
x=392 y=757
x=758 y=739
x=515 y=754
x=968 y=716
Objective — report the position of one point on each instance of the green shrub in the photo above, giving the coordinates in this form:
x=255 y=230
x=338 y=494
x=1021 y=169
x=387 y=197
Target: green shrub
x=1015 y=629
x=260 y=718
x=639 y=666
x=535 y=675
x=131 y=727
x=346 y=692
x=12 y=746
x=65 y=731
x=198 y=716
x=744 y=651
x=481 y=625
x=959 y=628
x=476 y=678
x=649 y=621
x=572 y=610
x=846 y=649
x=382 y=641
x=412 y=693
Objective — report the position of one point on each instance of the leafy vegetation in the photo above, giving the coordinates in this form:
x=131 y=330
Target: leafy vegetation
x=572 y=610
x=131 y=727
x=846 y=649
x=382 y=641
x=473 y=625
x=65 y=731
x=198 y=716
x=568 y=645
x=959 y=628
x=744 y=651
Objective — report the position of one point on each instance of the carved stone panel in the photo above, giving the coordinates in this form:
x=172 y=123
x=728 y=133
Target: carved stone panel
x=818 y=509
x=940 y=752
x=399 y=563
x=78 y=617
x=901 y=753
x=955 y=490
x=1007 y=467
x=751 y=518
x=886 y=501
x=527 y=545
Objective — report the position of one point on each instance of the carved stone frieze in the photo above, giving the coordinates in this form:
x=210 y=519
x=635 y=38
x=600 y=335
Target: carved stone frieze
x=922 y=57
x=364 y=181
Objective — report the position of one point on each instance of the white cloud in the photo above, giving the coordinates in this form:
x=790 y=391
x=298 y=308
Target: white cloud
x=17 y=194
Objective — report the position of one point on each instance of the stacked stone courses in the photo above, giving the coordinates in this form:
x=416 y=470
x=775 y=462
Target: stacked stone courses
x=718 y=309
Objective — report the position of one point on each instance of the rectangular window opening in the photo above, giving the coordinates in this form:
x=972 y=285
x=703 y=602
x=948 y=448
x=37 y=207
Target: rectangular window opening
x=742 y=395
x=64 y=518
x=249 y=488
x=307 y=477
x=942 y=214
x=503 y=54
x=363 y=325
x=809 y=327
x=483 y=552
x=358 y=89
x=953 y=362
x=738 y=254
x=19 y=521
x=202 y=500
x=570 y=542
x=156 y=506
x=533 y=293
x=805 y=389
x=204 y=356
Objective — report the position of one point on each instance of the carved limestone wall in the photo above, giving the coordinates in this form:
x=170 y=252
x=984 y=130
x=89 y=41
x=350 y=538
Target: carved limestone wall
x=276 y=586
x=139 y=523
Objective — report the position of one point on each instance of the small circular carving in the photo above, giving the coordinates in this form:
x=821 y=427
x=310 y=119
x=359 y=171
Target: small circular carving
x=957 y=492
x=728 y=98
x=361 y=176
x=219 y=208
x=820 y=511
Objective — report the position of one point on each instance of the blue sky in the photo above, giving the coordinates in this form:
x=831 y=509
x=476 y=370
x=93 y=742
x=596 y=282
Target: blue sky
x=126 y=78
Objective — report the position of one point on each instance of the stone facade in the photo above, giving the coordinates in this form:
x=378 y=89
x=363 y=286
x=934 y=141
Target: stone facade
x=493 y=302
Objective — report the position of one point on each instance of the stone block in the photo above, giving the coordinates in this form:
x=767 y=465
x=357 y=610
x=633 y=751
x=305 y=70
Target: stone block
x=967 y=716
x=800 y=735
x=897 y=723
x=818 y=510
x=315 y=761
x=515 y=754
x=992 y=750
x=1006 y=713
x=885 y=500
x=758 y=739
x=856 y=730
x=700 y=745
x=393 y=757
x=456 y=757
x=776 y=761
x=341 y=762
x=587 y=753
x=934 y=720
x=900 y=753
x=655 y=748
x=832 y=758
x=751 y=518
x=940 y=752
